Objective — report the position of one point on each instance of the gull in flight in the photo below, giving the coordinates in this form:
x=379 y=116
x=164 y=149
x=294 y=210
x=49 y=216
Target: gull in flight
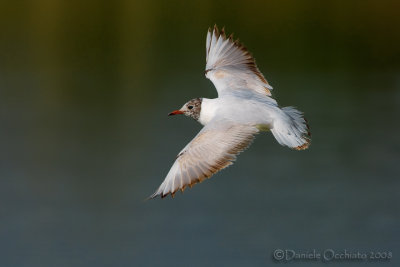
x=244 y=108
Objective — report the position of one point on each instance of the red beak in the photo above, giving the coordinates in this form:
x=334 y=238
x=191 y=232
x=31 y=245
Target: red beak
x=175 y=112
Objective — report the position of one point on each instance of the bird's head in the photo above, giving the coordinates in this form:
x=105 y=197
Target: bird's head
x=191 y=109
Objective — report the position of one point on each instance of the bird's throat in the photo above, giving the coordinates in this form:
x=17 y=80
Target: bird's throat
x=208 y=110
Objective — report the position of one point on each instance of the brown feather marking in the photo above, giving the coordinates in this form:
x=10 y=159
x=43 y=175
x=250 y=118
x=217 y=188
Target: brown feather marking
x=216 y=31
x=307 y=138
x=220 y=74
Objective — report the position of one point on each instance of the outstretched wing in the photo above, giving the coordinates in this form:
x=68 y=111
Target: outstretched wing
x=230 y=65
x=214 y=148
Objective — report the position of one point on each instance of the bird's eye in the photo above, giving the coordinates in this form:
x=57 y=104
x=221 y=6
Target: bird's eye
x=190 y=107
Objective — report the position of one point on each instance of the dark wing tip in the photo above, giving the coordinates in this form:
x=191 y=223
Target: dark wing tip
x=216 y=31
x=222 y=33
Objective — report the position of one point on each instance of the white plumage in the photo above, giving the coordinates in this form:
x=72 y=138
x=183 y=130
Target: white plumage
x=244 y=107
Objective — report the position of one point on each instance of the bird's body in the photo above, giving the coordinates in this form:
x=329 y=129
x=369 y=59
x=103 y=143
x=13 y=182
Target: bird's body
x=244 y=107
x=238 y=106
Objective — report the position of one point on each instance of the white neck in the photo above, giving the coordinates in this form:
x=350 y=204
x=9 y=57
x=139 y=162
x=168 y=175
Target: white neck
x=208 y=110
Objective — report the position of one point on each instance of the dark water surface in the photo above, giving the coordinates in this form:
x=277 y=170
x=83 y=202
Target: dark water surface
x=84 y=136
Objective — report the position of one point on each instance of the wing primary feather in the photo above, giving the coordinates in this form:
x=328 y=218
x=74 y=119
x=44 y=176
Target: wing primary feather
x=213 y=149
x=237 y=63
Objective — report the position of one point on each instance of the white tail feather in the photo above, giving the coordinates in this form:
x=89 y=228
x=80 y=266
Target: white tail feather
x=291 y=129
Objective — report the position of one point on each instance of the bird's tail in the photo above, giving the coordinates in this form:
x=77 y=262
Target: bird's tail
x=291 y=129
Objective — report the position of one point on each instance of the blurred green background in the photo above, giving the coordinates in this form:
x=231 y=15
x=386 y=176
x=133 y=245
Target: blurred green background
x=85 y=87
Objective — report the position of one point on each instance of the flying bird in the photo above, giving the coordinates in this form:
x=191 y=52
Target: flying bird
x=244 y=107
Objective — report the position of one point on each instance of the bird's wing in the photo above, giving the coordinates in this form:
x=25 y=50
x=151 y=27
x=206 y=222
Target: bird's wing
x=230 y=65
x=214 y=148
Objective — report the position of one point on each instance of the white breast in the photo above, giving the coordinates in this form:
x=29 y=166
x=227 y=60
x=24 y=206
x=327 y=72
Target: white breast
x=208 y=110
